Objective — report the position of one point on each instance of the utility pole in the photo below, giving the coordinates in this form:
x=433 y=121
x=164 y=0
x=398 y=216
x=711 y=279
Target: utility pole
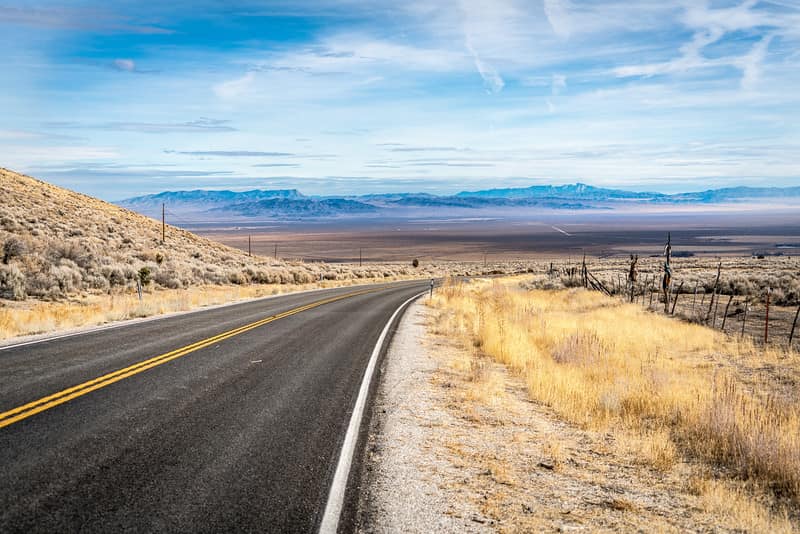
x=276 y=251
x=163 y=223
x=360 y=257
x=249 y=246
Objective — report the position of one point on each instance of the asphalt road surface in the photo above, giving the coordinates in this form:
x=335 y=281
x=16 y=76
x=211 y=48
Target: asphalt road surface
x=228 y=419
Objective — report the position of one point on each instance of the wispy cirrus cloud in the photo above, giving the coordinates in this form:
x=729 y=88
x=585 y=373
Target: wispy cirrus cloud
x=710 y=27
x=98 y=19
x=201 y=125
x=230 y=153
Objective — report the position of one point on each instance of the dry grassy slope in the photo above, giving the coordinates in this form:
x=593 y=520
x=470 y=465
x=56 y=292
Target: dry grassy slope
x=56 y=242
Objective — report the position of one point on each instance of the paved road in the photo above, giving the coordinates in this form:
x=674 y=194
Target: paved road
x=240 y=434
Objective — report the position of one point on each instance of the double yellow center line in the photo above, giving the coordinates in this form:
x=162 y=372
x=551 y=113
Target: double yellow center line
x=45 y=403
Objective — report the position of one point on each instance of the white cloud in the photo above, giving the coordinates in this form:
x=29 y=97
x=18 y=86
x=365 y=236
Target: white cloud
x=557 y=12
x=234 y=89
x=751 y=63
x=491 y=79
x=127 y=65
x=711 y=26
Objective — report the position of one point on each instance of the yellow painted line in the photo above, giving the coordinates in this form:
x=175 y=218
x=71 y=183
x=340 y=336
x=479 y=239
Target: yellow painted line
x=45 y=403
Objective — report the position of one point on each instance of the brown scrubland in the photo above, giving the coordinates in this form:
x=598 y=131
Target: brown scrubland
x=689 y=398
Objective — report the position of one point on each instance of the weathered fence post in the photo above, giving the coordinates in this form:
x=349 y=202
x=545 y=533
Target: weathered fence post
x=675 y=300
x=744 y=319
x=766 y=318
x=794 y=323
x=584 y=272
x=667 y=282
x=694 y=297
x=713 y=293
x=725 y=315
x=632 y=274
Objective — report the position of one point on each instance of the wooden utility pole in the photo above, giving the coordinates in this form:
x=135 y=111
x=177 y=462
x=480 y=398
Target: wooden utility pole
x=360 y=257
x=276 y=251
x=163 y=223
x=666 y=283
x=249 y=246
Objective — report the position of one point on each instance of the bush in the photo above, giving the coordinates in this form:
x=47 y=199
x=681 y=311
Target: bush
x=12 y=283
x=13 y=248
x=74 y=251
x=415 y=263
x=68 y=278
x=41 y=285
x=144 y=275
x=168 y=278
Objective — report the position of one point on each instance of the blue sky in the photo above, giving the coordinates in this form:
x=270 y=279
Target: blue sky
x=120 y=98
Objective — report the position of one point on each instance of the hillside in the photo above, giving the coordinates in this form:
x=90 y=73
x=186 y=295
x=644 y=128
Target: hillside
x=57 y=243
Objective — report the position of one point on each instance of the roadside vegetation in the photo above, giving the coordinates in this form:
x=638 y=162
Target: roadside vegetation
x=682 y=393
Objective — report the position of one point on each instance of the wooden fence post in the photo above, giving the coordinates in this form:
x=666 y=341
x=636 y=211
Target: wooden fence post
x=744 y=319
x=794 y=323
x=675 y=300
x=766 y=318
x=632 y=275
x=725 y=316
x=713 y=293
x=694 y=298
x=713 y=318
x=666 y=283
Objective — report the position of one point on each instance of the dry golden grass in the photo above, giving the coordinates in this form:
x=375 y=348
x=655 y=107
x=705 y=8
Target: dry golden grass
x=606 y=365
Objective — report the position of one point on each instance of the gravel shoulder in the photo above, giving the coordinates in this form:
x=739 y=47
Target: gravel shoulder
x=456 y=445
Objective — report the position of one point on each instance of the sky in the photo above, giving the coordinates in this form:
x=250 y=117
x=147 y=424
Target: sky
x=338 y=97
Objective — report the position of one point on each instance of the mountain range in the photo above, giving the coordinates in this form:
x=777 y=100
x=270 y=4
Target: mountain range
x=290 y=204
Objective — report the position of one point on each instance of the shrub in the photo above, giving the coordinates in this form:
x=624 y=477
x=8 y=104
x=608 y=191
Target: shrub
x=12 y=283
x=237 y=277
x=144 y=275
x=415 y=263
x=168 y=278
x=41 y=285
x=68 y=278
x=13 y=248
x=74 y=251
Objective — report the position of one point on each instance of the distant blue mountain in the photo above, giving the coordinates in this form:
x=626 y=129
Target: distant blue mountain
x=576 y=191
x=291 y=204
x=200 y=198
x=297 y=208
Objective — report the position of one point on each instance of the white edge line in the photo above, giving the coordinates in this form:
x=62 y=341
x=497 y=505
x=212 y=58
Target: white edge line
x=333 y=508
x=158 y=317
